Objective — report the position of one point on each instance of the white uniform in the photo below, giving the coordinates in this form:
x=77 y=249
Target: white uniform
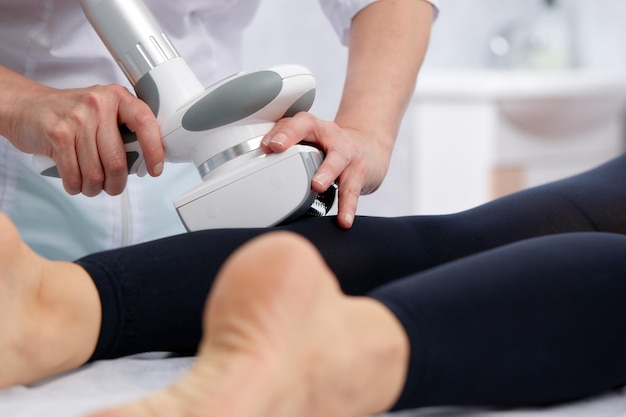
x=51 y=41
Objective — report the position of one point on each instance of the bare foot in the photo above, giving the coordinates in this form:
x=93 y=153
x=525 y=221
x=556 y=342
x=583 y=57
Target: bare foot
x=280 y=339
x=49 y=312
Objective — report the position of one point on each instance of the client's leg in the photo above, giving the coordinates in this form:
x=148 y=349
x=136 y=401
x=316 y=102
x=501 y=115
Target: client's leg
x=530 y=323
x=282 y=340
x=49 y=312
x=153 y=294
x=535 y=322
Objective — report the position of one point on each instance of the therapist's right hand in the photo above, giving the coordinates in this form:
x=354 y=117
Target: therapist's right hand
x=79 y=130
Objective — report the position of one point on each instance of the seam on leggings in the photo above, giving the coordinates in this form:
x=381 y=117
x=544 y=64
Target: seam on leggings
x=111 y=301
x=416 y=330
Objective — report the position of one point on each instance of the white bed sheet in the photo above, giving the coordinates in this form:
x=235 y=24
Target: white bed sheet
x=107 y=383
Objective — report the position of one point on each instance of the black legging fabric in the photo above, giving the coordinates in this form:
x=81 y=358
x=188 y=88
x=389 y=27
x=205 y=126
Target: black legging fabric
x=521 y=301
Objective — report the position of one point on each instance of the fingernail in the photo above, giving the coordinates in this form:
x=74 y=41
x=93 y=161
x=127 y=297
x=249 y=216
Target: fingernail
x=279 y=139
x=158 y=169
x=349 y=219
x=321 y=179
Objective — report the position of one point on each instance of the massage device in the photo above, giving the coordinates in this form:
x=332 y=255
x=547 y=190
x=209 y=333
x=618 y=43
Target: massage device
x=219 y=128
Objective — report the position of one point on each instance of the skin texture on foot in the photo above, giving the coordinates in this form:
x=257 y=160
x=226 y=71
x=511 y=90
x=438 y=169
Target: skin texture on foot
x=281 y=340
x=49 y=312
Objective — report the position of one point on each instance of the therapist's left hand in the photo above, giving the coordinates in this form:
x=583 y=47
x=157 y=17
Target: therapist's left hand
x=356 y=162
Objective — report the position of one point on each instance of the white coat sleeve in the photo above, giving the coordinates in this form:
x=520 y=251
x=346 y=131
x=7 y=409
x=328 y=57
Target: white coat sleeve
x=341 y=12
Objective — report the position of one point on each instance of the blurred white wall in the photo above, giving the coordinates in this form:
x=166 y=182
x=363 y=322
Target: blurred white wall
x=461 y=35
x=296 y=31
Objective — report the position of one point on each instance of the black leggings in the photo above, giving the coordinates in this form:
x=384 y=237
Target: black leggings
x=520 y=301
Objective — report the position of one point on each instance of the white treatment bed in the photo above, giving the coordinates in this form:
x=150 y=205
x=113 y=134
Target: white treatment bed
x=107 y=383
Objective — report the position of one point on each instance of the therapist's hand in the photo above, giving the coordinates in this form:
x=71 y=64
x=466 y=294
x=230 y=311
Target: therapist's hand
x=79 y=130
x=387 y=43
x=356 y=162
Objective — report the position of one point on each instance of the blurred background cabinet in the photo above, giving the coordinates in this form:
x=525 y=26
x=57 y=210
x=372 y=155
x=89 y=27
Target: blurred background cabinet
x=479 y=134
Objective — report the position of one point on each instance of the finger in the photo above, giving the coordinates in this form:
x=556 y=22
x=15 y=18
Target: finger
x=110 y=148
x=290 y=131
x=63 y=140
x=89 y=160
x=138 y=117
x=69 y=171
x=333 y=165
x=348 y=196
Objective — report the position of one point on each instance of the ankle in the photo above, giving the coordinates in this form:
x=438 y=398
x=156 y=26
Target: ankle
x=372 y=347
x=70 y=316
x=389 y=356
x=53 y=329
